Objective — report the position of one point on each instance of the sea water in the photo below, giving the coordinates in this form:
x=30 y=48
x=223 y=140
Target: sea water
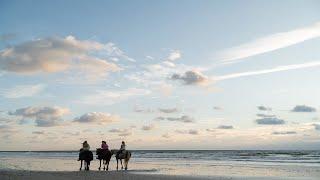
x=181 y=162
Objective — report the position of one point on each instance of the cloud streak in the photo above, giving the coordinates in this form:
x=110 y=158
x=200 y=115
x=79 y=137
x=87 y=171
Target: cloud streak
x=270 y=43
x=267 y=71
x=22 y=91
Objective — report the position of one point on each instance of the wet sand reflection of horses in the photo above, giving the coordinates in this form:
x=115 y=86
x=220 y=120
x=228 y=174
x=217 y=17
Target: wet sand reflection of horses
x=104 y=155
x=85 y=156
x=125 y=155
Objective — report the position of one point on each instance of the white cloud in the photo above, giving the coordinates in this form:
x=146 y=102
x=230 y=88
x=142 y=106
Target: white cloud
x=266 y=71
x=122 y=132
x=265 y=115
x=115 y=53
x=44 y=116
x=184 y=119
x=217 y=108
x=55 y=54
x=166 y=135
x=112 y=97
x=22 y=91
x=168 y=110
x=316 y=126
x=190 y=131
x=97 y=117
x=284 y=132
x=174 y=55
x=191 y=77
x=264 y=108
x=139 y=109
x=270 y=43
x=169 y=64
x=225 y=127
x=148 y=127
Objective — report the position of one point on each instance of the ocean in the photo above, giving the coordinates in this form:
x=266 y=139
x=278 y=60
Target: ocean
x=181 y=162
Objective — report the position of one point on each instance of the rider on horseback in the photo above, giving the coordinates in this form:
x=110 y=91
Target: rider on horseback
x=122 y=148
x=104 y=145
x=85 y=147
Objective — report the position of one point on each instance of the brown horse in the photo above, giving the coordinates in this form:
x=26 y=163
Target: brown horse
x=104 y=155
x=125 y=155
x=85 y=156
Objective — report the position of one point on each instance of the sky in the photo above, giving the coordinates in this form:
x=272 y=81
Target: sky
x=159 y=74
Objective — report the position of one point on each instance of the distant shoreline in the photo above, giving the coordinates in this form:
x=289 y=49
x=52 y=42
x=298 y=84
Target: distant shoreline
x=170 y=150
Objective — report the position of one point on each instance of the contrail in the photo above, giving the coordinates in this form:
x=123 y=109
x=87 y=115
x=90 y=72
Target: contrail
x=266 y=71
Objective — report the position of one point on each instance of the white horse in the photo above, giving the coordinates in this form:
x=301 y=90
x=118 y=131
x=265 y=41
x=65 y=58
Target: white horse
x=125 y=155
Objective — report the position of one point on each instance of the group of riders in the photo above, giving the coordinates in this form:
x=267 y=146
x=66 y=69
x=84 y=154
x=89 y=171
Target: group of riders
x=104 y=154
x=104 y=146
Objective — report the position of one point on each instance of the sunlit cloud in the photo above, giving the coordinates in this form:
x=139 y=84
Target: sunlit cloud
x=55 y=54
x=97 y=117
x=44 y=116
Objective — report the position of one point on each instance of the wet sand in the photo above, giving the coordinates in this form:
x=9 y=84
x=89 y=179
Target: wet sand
x=102 y=175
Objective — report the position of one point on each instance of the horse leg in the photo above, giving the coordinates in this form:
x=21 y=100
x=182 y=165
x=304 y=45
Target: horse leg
x=107 y=165
x=126 y=164
x=104 y=165
x=80 y=165
x=121 y=164
x=117 y=163
x=100 y=165
x=88 y=165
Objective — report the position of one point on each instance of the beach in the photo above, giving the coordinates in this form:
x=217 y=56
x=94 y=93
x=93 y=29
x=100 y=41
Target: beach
x=166 y=164
x=119 y=175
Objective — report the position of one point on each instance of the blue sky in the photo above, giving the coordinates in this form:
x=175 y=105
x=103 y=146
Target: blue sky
x=166 y=74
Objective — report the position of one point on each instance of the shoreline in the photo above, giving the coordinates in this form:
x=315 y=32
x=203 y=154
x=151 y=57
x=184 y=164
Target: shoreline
x=121 y=175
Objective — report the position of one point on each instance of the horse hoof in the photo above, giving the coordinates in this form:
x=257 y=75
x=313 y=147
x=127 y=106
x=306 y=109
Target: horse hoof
x=125 y=168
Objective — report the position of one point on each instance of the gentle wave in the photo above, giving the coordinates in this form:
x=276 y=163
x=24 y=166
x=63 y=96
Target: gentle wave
x=312 y=157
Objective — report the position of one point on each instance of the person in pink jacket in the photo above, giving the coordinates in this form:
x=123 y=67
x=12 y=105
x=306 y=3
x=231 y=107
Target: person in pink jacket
x=104 y=145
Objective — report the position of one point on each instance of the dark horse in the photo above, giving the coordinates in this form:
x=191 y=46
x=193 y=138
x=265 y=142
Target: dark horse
x=125 y=155
x=104 y=155
x=85 y=156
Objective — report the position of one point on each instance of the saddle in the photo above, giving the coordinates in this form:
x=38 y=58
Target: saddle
x=86 y=155
x=102 y=153
x=122 y=154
